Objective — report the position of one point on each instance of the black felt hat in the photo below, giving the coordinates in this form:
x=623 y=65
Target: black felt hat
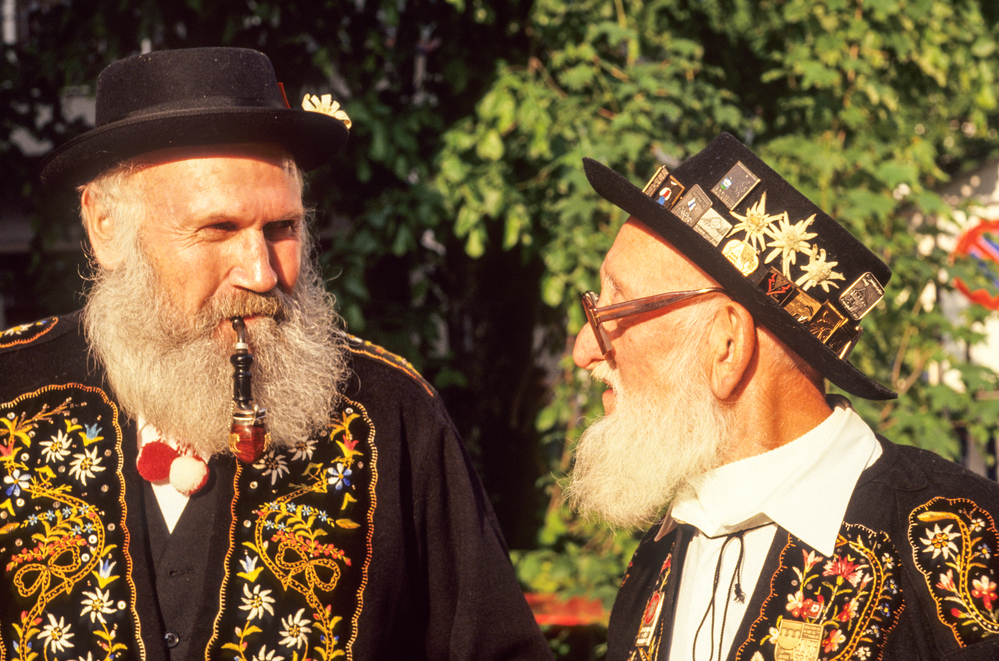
x=191 y=97
x=794 y=268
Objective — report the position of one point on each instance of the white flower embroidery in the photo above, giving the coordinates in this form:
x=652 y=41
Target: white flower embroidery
x=264 y=655
x=56 y=448
x=296 y=629
x=818 y=272
x=789 y=240
x=327 y=106
x=84 y=465
x=272 y=464
x=56 y=634
x=939 y=541
x=304 y=449
x=755 y=223
x=97 y=604
x=257 y=601
x=18 y=482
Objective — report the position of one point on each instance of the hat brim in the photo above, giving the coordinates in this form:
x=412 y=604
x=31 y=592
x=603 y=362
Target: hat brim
x=618 y=190
x=312 y=138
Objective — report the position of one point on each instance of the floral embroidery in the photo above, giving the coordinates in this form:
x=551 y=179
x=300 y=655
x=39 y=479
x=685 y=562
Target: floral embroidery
x=851 y=599
x=56 y=635
x=274 y=464
x=26 y=333
x=295 y=629
x=940 y=542
x=304 y=449
x=300 y=576
x=954 y=543
x=85 y=465
x=62 y=528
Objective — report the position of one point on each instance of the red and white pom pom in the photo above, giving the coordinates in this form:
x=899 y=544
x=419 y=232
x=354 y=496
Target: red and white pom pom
x=158 y=461
x=188 y=474
x=154 y=461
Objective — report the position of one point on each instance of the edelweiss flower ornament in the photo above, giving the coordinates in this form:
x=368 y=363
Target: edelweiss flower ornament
x=326 y=105
x=773 y=251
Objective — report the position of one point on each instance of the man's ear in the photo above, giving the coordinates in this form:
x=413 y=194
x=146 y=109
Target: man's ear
x=99 y=231
x=731 y=346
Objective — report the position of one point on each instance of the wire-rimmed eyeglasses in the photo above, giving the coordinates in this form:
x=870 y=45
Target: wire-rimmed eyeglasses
x=597 y=316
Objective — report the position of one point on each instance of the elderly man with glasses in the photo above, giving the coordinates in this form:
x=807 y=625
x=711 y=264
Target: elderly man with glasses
x=780 y=525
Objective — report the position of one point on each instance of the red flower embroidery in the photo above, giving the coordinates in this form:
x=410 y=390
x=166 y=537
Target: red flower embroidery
x=985 y=590
x=845 y=567
x=808 y=608
x=833 y=641
x=849 y=611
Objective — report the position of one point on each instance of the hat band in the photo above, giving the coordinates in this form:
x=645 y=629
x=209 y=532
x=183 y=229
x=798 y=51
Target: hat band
x=200 y=103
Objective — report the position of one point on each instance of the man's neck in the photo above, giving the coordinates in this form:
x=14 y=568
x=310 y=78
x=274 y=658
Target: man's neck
x=768 y=416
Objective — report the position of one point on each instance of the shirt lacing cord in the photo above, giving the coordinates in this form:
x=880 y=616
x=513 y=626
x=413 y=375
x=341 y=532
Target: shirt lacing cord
x=734 y=586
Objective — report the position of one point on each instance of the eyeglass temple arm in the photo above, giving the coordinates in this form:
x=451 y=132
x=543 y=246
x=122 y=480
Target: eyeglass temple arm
x=628 y=308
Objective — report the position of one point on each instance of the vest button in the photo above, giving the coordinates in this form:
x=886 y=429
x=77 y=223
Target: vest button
x=171 y=639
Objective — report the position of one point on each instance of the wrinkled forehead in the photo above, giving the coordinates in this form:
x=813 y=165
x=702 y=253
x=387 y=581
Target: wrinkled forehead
x=642 y=263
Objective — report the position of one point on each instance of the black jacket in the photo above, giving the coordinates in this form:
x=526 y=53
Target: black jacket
x=373 y=541
x=914 y=576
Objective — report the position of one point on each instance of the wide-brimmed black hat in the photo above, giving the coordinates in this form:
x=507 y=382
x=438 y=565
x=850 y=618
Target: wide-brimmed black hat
x=192 y=97
x=794 y=268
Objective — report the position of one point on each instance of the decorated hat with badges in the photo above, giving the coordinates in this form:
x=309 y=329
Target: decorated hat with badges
x=794 y=268
x=195 y=97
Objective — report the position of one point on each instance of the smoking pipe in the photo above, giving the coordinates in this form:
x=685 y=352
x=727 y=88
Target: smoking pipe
x=248 y=436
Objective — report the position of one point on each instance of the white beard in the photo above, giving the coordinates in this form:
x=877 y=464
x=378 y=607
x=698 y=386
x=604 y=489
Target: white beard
x=630 y=464
x=174 y=371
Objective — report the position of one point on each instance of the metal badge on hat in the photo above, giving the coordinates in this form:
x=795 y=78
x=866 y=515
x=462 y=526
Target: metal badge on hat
x=787 y=248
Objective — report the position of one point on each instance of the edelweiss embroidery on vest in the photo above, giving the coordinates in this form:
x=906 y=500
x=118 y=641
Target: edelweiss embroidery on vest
x=829 y=608
x=26 y=333
x=300 y=545
x=63 y=540
x=954 y=544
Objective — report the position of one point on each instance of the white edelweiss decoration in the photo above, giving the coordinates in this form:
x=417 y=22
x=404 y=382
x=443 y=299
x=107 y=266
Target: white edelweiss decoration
x=85 y=465
x=326 y=105
x=939 y=541
x=789 y=240
x=819 y=272
x=57 y=635
x=296 y=629
x=755 y=223
x=257 y=602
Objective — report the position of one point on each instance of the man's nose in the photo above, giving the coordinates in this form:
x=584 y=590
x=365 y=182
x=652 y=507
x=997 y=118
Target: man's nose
x=253 y=267
x=586 y=352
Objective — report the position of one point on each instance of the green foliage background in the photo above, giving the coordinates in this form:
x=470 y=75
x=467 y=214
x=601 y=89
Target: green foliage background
x=458 y=228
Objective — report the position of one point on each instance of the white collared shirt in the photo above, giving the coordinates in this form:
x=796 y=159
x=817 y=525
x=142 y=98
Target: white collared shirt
x=804 y=487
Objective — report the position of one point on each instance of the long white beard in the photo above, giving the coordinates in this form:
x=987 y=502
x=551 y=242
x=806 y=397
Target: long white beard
x=631 y=463
x=174 y=371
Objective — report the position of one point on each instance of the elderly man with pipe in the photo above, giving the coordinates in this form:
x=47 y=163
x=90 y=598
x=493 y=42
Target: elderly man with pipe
x=202 y=464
